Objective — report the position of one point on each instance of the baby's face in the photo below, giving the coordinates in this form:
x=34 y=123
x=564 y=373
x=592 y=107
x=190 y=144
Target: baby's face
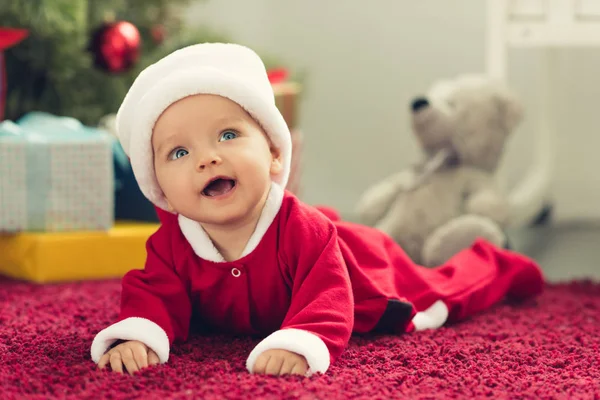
x=212 y=160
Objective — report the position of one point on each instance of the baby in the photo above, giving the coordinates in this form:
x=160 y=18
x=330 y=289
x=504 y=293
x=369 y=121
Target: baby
x=239 y=253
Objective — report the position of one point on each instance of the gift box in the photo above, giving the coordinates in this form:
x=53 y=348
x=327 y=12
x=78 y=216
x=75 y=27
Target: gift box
x=287 y=94
x=55 y=175
x=71 y=256
x=130 y=202
x=286 y=99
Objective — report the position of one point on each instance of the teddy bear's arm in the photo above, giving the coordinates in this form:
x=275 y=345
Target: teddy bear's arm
x=377 y=200
x=486 y=199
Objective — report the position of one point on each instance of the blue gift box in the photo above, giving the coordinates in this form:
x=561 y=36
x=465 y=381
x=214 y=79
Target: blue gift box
x=55 y=175
x=130 y=202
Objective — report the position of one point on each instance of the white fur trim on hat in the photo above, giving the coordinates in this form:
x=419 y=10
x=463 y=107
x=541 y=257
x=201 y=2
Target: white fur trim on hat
x=229 y=70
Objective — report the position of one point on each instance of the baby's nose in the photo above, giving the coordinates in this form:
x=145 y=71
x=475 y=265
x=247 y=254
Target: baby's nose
x=205 y=162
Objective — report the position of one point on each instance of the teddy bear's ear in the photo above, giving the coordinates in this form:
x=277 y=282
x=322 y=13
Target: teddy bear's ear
x=511 y=109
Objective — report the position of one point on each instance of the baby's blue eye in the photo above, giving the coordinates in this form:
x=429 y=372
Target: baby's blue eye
x=227 y=135
x=178 y=153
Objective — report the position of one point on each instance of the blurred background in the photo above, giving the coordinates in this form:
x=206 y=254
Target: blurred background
x=355 y=69
x=364 y=64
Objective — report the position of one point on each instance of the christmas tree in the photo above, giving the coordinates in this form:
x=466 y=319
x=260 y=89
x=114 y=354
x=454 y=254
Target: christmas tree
x=71 y=64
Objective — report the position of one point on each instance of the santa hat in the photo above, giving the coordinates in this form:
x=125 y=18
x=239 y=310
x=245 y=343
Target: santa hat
x=229 y=70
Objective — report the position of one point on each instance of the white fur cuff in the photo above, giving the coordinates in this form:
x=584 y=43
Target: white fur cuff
x=133 y=328
x=432 y=318
x=298 y=341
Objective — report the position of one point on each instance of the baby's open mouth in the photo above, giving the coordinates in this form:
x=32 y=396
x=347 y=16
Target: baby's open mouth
x=219 y=187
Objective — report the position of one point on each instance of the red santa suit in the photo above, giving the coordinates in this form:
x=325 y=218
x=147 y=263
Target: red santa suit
x=306 y=281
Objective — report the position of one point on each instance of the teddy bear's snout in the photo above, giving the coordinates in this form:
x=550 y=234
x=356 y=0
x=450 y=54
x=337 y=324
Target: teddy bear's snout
x=419 y=103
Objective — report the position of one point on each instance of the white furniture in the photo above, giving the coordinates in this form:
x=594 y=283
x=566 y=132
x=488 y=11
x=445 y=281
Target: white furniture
x=547 y=24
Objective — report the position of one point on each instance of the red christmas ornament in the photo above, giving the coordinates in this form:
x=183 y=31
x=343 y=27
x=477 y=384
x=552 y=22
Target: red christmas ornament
x=116 y=46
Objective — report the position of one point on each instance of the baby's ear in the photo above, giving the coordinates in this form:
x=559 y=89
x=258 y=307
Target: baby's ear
x=276 y=161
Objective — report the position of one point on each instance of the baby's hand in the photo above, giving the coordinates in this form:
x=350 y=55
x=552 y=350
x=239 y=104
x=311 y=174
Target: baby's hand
x=280 y=362
x=133 y=355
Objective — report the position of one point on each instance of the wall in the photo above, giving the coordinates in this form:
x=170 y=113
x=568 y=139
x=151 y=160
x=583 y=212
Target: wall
x=365 y=63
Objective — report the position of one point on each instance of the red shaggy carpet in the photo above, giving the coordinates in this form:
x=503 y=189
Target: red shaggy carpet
x=544 y=349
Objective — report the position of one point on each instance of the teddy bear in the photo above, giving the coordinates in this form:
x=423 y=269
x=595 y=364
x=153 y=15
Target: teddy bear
x=449 y=199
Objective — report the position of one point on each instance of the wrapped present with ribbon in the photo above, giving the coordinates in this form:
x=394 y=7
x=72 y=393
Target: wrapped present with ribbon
x=55 y=175
x=49 y=257
x=287 y=95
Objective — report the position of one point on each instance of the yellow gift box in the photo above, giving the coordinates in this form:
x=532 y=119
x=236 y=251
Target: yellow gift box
x=45 y=257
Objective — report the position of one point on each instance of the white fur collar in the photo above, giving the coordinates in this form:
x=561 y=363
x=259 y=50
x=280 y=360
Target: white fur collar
x=204 y=247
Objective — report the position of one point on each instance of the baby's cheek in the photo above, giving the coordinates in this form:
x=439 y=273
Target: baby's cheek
x=180 y=187
x=173 y=185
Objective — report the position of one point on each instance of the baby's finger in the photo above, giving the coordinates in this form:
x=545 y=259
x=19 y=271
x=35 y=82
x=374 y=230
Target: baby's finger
x=116 y=364
x=261 y=364
x=128 y=360
x=287 y=367
x=140 y=355
x=299 y=369
x=152 y=357
x=274 y=366
x=103 y=361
